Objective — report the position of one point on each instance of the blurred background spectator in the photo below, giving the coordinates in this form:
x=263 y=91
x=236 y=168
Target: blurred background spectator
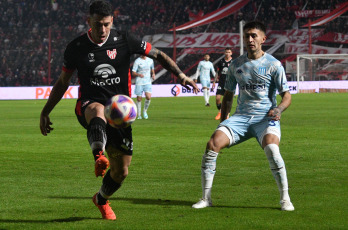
x=24 y=26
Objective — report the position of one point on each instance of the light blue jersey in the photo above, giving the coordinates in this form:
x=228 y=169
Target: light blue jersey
x=205 y=67
x=258 y=82
x=143 y=66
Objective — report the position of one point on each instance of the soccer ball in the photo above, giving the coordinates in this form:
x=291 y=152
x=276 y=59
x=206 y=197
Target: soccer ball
x=120 y=111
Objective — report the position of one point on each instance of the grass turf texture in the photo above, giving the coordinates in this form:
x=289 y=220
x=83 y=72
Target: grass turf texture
x=48 y=182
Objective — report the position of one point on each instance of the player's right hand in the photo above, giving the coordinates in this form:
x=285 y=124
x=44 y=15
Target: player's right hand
x=186 y=81
x=45 y=124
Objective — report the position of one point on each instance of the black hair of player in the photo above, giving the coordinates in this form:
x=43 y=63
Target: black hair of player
x=228 y=48
x=255 y=25
x=100 y=7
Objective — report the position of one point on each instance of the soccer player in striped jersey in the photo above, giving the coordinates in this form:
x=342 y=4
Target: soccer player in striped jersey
x=259 y=75
x=102 y=60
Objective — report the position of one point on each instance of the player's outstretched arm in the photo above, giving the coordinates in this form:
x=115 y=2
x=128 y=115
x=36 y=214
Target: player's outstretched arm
x=226 y=105
x=171 y=66
x=56 y=95
x=276 y=112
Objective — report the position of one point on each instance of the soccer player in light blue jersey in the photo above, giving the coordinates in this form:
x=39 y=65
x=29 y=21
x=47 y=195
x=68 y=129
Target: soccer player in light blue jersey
x=204 y=69
x=259 y=75
x=143 y=70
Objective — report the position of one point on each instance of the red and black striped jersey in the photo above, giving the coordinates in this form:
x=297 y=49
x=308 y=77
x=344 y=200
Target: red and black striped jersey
x=103 y=69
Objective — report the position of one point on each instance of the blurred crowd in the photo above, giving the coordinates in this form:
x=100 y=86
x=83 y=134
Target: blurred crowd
x=26 y=26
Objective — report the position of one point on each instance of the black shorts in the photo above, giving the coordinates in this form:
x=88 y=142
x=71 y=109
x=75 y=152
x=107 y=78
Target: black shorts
x=120 y=139
x=220 y=90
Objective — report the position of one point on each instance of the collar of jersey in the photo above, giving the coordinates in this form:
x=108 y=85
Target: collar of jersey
x=91 y=39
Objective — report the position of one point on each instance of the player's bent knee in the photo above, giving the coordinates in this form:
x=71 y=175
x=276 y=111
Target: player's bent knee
x=119 y=175
x=212 y=145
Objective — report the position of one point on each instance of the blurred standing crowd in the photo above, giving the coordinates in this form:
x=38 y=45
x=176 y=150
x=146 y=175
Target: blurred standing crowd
x=24 y=26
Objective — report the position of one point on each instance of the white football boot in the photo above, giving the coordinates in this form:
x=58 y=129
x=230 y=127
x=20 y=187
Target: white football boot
x=202 y=203
x=287 y=205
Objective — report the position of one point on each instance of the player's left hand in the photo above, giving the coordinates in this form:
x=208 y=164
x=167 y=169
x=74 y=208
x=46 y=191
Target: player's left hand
x=275 y=114
x=186 y=82
x=45 y=124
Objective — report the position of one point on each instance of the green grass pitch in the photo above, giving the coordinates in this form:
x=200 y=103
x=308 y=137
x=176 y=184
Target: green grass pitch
x=48 y=182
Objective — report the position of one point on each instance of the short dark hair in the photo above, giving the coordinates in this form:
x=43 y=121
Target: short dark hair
x=255 y=25
x=100 y=7
x=228 y=48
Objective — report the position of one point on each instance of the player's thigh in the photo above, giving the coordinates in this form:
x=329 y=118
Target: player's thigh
x=139 y=89
x=267 y=131
x=94 y=109
x=205 y=83
x=84 y=111
x=147 y=88
x=236 y=129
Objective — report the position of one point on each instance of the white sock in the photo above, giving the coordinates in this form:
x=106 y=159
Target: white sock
x=205 y=94
x=277 y=166
x=146 y=105
x=139 y=107
x=208 y=172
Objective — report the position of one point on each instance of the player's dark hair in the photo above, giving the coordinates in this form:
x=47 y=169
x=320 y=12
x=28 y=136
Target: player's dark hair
x=228 y=48
x=100 y=7
x=255 y=25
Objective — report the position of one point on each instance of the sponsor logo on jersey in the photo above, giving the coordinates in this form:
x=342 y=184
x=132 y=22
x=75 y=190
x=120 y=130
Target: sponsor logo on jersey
x=91 y=57
x=262 y=70
x=102 y=75
x=224 y=70
x=112 y=53
x=253 y=86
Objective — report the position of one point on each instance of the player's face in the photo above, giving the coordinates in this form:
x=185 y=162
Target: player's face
x=253 y=39
x=206 y=57
x=228 y=54
x=100 y=27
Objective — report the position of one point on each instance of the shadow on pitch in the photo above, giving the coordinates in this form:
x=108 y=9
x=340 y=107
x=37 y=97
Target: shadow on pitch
x=62 y=220
x=165 y=202
x=135 y=200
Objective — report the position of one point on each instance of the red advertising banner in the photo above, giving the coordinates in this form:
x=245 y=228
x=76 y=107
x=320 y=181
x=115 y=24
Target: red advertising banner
x=214 y=16
x=291 y=48
x=334 y=37
x=329 y=17
x=311 y=13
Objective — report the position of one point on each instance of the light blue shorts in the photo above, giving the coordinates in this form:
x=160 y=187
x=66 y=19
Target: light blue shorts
x=240 y=128
x=139 y=89
x=205 y=82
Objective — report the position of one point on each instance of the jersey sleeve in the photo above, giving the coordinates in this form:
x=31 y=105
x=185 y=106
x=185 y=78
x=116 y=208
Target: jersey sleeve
x=135 y=65
x=152 y=65
x=280 y=79
x=231 y=82
x=69 y=63
x=212 y=70
x=137 y=46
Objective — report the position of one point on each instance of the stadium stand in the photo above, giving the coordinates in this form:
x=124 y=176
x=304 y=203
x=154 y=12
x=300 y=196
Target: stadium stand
x=24 y=28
